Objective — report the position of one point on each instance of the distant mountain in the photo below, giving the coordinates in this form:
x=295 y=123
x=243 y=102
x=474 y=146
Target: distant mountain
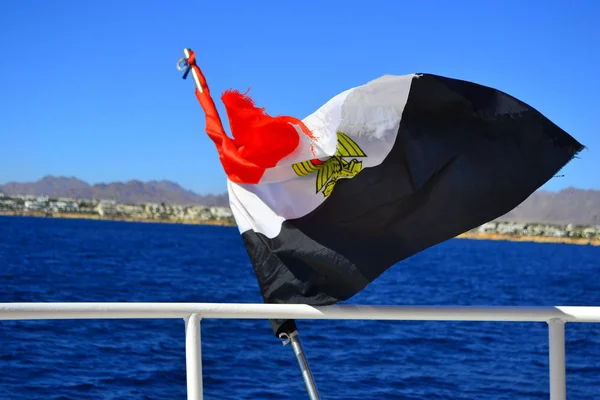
x=569 y=205
x=131 y=192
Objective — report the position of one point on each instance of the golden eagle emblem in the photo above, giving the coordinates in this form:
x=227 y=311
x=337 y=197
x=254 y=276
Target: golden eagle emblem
x=334 y=168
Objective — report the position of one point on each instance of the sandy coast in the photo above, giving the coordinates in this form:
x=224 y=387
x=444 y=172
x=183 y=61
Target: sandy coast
x=534 y=239
x=122 y=219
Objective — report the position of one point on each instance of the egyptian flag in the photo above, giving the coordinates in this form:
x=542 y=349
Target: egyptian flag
x=377 y=174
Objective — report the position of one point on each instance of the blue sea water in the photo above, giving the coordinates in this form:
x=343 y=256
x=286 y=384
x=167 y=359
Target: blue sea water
x=49 y=260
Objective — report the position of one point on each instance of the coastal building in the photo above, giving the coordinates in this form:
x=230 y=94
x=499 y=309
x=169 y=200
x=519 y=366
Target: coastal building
x=221 y=212
x=110 y=209
x=33 y=205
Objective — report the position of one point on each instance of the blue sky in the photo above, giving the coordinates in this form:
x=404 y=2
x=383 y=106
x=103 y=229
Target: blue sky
x=90 y=89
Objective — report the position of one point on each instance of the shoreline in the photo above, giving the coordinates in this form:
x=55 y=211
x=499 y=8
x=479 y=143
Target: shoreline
x=466 y=235
x=38 y=214
x=530 y=239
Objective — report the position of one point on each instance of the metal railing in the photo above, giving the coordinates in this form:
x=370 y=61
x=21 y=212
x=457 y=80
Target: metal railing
x=192 y=313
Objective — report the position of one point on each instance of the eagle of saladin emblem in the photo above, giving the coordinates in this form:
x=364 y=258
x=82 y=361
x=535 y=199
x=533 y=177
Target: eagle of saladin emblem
x=334 y=168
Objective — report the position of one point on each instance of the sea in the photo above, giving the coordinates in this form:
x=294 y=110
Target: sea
x=62 y=260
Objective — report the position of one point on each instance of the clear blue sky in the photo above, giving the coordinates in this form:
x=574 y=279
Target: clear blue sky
x=90 y=89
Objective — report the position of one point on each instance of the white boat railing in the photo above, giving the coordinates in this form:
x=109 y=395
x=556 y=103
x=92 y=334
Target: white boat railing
x=192 y=313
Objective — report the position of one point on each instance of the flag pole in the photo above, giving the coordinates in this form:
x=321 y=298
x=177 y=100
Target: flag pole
x=309 y=382
x=185 y=67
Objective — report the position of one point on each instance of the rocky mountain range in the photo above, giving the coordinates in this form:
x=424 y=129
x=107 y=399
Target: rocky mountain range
x=130 y=192
x=569 y=205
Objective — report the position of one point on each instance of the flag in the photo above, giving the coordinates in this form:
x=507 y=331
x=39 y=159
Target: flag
x=380 y=172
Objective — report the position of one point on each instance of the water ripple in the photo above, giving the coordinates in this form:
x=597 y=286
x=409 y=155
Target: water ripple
x=67 y=260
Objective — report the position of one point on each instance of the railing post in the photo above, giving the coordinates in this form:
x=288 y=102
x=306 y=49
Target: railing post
x=193 y=357
x=556 y=342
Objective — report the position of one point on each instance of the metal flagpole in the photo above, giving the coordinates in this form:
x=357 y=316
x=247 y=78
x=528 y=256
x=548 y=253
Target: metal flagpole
x=184 y=66
x=309 y=382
